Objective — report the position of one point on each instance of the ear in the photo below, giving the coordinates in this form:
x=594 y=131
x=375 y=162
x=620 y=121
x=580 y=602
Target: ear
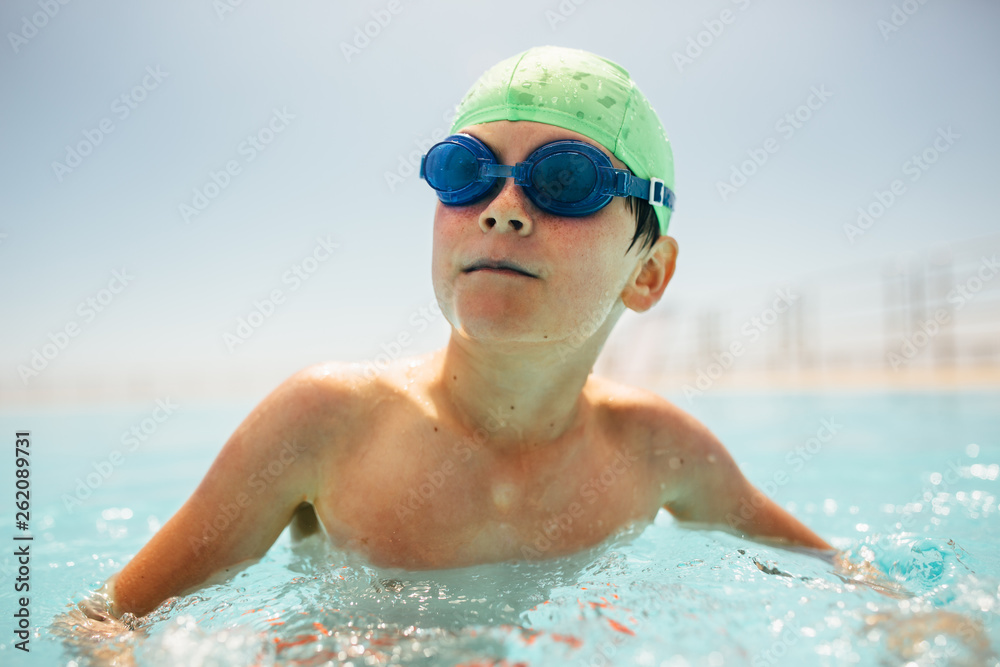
x=650 y=278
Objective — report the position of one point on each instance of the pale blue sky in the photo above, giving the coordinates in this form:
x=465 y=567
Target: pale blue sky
x=324 y=173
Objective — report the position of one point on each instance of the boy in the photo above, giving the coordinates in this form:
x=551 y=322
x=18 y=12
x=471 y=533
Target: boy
x=501 y=445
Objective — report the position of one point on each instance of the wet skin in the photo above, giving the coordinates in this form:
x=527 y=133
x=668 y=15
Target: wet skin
x=501 y=445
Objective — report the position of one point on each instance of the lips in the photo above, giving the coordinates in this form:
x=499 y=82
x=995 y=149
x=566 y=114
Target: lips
x=498 y=265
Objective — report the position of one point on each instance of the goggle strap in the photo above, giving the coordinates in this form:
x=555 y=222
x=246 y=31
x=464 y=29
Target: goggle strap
x=653 y=190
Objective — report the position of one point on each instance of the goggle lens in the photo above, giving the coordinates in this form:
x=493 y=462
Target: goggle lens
x=565 y=177
x=451 y=167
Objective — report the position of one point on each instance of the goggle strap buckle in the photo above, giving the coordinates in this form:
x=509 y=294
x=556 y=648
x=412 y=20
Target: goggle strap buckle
x=656 y=191
x=659 y=193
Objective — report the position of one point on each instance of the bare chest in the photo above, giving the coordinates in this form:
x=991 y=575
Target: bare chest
x=416 y=494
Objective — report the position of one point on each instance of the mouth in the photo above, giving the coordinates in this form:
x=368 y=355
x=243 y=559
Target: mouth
x=498 y=266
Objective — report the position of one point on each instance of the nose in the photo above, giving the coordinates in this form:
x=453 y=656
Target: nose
x=508 y=211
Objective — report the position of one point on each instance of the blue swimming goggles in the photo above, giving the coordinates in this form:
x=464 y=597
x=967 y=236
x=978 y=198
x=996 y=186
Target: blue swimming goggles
x=567 y=177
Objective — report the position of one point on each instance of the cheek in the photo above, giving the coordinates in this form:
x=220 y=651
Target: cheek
x=589 y=277
x=447 y=233
x=450 y=222
x=600 y=247
x=444 y=232
x=603 y=253
x=599 y=280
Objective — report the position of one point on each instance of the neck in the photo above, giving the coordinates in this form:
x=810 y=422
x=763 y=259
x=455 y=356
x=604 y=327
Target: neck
x=522 y=396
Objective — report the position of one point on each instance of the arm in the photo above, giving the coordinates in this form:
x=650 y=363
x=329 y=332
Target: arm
x=705 y=485
x=266 y=469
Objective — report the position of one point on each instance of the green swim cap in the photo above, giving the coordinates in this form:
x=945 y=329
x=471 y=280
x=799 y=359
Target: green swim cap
x=578 y=91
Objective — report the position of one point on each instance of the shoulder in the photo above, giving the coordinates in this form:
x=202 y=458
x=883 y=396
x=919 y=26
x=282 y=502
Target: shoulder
x=644 y=412
x=311 y=391
x=336 y=394
x=679 y=448
x=315 y=402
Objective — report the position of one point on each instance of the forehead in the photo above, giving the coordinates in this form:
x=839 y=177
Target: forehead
x=512 y=141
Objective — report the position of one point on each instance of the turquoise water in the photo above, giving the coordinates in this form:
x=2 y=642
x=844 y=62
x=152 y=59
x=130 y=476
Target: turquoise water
x=907 y=481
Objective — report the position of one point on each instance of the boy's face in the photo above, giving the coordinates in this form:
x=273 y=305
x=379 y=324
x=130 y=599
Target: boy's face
x=579 y=265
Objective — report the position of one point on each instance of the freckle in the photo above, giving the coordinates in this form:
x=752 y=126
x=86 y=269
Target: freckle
x=711 y=458
x=675 y=463
x=435 y=428
x=512 y=407
x=454 y=377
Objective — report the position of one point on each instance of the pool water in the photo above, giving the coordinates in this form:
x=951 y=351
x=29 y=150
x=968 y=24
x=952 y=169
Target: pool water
x=906 y=481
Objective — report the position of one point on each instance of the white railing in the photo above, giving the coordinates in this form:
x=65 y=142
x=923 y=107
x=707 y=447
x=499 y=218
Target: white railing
x=933 y=316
